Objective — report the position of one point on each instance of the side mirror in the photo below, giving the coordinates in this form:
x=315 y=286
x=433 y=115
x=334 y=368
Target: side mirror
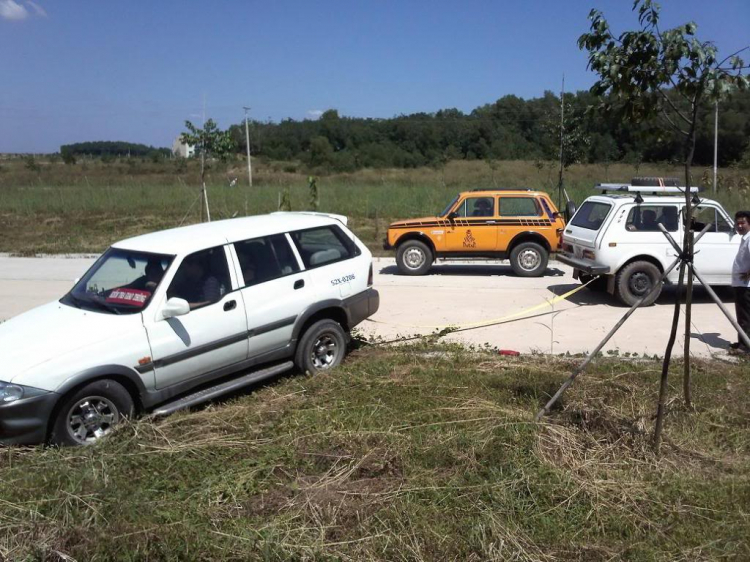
x=452 y=215
x=175 y=307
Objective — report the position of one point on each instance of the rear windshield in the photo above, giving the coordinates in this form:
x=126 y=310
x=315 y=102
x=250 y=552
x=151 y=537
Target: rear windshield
x=591 y=215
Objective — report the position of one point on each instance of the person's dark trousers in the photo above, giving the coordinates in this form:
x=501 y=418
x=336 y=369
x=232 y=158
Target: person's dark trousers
x=742 y=309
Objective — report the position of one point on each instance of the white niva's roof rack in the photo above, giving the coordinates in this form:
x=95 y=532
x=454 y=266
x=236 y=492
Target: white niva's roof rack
x=644 y=189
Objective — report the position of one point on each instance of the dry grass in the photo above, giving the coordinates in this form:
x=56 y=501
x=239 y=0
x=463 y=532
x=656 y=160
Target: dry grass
x=415 y=453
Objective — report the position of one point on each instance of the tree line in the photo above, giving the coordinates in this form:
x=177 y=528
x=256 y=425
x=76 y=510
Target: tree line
x=110 y=149
x=510 y=128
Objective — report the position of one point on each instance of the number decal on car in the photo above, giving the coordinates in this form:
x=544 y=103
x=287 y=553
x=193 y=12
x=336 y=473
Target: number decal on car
x=344 y=279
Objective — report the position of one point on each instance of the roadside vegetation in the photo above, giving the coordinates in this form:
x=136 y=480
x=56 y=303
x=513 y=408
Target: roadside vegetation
x=419 y=452
x=51 y=207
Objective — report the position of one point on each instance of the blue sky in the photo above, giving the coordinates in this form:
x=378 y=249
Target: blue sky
x=80 y=70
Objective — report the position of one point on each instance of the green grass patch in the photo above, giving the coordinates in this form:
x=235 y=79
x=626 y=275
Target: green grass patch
x=86 y=207
x=421 y=452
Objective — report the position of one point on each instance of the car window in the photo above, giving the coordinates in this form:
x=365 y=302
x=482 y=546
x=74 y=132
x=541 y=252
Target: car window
x=591 y=215
x=323 y=245
x=705 y=214
x=266 y=258
x=202 y=278
x=518 y=207
x=647 y=218
x=477 y=207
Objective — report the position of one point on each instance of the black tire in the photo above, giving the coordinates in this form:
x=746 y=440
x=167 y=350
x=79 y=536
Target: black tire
x=322 y=347
x=598 y=285
x=650 y=181
x=105 y=402
x=529 y=259
x=414 y=258
x=636 y=280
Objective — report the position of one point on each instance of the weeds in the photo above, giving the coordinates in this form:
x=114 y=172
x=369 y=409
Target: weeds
x=420 y=452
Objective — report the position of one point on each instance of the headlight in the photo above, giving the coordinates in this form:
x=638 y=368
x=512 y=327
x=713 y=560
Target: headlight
x=10 y=392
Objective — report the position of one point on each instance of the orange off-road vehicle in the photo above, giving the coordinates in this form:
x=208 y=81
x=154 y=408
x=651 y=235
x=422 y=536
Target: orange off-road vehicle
x=517 y=224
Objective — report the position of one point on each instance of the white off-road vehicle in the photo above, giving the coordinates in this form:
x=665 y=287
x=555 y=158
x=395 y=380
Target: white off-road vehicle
x=174 y=318
x=616 y=236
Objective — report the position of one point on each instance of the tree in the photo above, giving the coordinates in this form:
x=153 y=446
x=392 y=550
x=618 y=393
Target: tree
x=209 y=142
x=672 y=76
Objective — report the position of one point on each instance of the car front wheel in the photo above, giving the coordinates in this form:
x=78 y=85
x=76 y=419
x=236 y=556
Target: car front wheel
x=635 y=281
x=529 y=259
x=91 y=412
x=414 y=258
x=321 y=348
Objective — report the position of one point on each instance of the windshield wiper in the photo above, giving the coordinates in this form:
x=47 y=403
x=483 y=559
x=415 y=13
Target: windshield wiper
x=104 y=306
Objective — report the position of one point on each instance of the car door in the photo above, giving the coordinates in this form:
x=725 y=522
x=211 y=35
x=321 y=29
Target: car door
x=213 y=334
x=332 y=258
x=717 y=248
x=474 y=228
x=274 y=288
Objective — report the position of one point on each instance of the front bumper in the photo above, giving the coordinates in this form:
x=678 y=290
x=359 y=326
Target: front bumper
x=386 y=244
x=581 y=264
x=25 y=421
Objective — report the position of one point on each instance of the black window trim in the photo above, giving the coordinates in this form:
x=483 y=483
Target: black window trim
x=340 y=234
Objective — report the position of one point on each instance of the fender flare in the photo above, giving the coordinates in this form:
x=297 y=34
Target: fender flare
x=103 y=372
x=313 y=309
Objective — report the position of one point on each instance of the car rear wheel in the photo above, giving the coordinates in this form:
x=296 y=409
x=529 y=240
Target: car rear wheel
x=322 y=347
x=91 y=412
x=529 y=259
x=636 y=280
x=414 y=258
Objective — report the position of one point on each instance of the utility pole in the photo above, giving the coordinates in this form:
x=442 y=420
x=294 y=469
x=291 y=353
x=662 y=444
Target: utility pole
x=562 y=128
x=247 y=140
x=716 y=142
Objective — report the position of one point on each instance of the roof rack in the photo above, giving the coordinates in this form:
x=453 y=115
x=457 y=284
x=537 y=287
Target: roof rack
x=643 y=189
x=502 y=189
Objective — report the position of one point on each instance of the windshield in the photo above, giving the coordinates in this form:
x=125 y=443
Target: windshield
x=591 y=215
x=120 y=282
x=449 y=207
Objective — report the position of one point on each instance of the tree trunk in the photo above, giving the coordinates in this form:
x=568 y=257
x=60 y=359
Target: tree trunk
x=688 y=309
x=687 y=249
x=661 y=408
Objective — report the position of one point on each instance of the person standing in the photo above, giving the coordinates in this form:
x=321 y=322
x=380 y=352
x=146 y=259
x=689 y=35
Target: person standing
x=741 y=278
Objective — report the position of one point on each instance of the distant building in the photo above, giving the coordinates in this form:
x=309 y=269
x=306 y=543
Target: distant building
x=182 y=150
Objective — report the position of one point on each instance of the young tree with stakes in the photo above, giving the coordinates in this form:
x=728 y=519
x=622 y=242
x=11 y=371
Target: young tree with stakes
x=668 y=75
x=211 y=142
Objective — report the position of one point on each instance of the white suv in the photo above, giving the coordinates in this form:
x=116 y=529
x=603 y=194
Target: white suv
x=174 y=318
x=616 y=235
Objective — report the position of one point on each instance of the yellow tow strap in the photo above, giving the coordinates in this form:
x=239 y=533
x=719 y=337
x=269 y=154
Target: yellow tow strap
x=525 y=311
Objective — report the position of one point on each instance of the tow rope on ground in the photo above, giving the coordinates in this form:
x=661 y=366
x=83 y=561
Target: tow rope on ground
x=482 y=323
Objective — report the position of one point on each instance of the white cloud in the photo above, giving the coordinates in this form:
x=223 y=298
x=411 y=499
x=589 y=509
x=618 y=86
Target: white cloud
x=314 y=113
x=37 y=8
x=11 y=10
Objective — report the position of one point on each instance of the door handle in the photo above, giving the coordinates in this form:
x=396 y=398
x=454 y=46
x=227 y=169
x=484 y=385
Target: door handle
x=491 y=222
x=230 y=305
x=299 y=283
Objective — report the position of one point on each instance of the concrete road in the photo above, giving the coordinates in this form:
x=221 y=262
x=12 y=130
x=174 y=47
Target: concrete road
x=459 y=294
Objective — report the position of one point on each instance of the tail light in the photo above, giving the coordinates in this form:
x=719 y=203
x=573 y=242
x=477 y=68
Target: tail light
x=370 y=277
